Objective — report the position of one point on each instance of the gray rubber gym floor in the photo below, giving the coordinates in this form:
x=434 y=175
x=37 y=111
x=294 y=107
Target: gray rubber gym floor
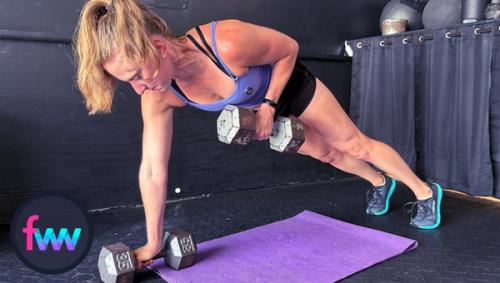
x=465 y=249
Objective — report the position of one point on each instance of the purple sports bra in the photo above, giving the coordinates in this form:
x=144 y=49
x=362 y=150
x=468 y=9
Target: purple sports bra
x=250 y=88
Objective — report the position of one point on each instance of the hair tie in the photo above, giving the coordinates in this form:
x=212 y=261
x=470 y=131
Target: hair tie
x=103 y=10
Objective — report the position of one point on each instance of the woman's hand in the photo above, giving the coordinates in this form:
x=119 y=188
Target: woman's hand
x=144 y=255
x=264 y=121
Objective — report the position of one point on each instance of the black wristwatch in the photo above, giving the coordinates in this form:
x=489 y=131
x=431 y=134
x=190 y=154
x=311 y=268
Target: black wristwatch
x=270 y=103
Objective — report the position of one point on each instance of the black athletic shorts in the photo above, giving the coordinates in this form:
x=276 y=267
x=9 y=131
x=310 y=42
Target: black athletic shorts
x=298 y=92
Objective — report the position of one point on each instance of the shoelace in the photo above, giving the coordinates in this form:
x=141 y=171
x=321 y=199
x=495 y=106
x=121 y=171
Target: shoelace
x=422 y=210
x=373 y=196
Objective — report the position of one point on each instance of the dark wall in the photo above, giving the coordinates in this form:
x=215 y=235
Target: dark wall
x=48 y=142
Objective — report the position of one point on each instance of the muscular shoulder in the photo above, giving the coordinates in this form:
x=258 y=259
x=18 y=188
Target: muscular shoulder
x=227 y=33
x=231 y=35
x=241 y=44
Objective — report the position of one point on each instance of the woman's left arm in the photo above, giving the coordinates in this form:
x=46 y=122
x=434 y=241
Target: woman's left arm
x=244 y=45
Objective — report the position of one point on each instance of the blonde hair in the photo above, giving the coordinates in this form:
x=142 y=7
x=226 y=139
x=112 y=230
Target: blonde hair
x=104 y=25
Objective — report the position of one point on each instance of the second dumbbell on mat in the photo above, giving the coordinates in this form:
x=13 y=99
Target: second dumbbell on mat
x=236 y=125
x=117 y=261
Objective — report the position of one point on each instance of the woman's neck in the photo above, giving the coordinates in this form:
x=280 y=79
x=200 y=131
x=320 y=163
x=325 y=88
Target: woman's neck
x=186 y=60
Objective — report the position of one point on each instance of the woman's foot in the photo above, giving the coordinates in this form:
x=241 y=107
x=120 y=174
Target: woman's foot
x=426 y=213
x=378 y=197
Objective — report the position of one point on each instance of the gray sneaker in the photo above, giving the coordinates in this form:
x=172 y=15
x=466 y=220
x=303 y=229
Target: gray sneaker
x=378 y=197
x=426 y=214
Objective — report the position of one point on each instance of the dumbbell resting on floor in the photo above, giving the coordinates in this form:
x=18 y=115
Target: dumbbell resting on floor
x=117 y=261
x=236 y=125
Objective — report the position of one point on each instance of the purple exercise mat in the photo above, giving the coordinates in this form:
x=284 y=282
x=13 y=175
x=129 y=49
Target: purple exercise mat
x=308 y=247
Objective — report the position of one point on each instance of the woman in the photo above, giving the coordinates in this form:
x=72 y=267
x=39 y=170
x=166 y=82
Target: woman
x=214 y=65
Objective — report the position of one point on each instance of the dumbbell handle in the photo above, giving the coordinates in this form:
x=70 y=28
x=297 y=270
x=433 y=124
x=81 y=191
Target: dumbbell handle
x=236 y=125
x=255 y=138
x=161 y=254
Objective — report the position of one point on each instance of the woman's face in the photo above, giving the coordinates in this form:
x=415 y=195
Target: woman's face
x=147 y=75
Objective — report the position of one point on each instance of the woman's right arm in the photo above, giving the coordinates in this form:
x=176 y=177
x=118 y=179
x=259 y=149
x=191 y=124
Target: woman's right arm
x=157 y=115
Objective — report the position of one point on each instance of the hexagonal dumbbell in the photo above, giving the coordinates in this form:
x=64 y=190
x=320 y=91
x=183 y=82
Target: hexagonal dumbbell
x=116 y=262
x=288 y=134
x=236 y=125
x=182 y=249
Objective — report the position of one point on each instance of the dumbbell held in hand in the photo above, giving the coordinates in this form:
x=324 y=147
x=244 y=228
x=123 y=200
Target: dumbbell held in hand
x=236 y=125
x=117 y=261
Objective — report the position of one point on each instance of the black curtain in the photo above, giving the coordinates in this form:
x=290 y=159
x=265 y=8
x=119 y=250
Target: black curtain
x=383 y=94
x=495 y=112
x=434 y=96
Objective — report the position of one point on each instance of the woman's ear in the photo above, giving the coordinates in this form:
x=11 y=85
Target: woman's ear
x=160 y=43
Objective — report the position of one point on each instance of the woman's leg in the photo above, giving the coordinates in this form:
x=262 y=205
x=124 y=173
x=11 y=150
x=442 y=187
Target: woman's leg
x=315 y=147
x=325 y=115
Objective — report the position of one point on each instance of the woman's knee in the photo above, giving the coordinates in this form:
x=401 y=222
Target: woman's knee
x=323 y=153
x=332 y=156
x=358 y=147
